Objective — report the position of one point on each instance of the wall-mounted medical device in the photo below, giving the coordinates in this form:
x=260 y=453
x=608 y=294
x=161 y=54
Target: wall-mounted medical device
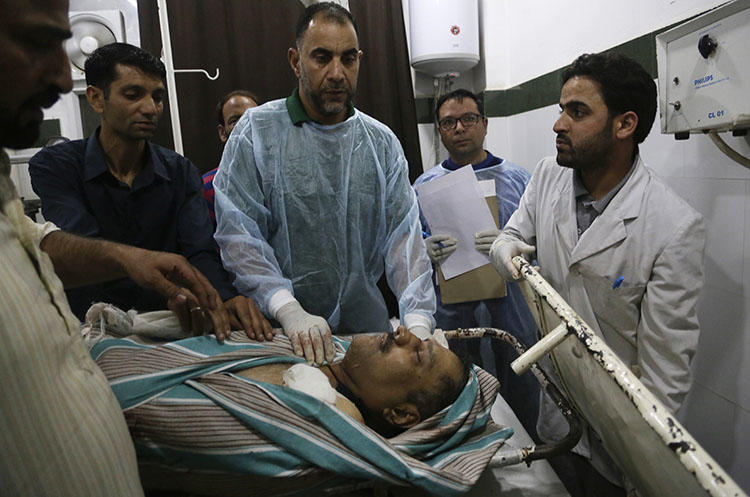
x=704 y=72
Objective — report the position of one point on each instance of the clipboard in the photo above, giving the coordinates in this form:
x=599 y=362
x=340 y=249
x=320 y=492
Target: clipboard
x=481 y=283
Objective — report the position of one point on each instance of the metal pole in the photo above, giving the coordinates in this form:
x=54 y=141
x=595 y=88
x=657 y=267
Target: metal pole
x=174 y=111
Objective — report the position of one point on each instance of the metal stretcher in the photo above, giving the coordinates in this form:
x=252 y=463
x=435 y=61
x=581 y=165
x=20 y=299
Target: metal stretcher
x=655 y=453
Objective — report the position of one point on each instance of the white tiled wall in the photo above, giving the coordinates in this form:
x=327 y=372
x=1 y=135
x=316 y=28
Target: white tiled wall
x=717 y=433
x=526 y=39
x=741 y=439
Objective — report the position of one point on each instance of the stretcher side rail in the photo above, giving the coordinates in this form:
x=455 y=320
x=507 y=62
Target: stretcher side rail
x=627 y=418
x=507 y=455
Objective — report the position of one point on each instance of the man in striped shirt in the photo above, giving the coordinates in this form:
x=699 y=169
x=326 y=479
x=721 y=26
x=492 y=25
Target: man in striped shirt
x=62 y=430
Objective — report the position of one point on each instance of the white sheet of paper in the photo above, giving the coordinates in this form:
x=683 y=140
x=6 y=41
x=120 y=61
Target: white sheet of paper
x=487 y=187
x=454 y=205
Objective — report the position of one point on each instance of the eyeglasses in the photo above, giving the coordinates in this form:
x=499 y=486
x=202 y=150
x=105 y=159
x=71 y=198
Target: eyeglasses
x=467 y=121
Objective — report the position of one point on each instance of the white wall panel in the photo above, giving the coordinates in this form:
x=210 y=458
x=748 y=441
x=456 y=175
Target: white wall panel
x=540 y=36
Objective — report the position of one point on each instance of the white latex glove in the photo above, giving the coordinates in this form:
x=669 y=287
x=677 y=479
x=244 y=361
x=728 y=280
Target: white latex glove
x=418 y=325
x=439 y=247
x=483 y=240
x=501 y=253
x=420 y=331
x=439 y=336
x=310 y=335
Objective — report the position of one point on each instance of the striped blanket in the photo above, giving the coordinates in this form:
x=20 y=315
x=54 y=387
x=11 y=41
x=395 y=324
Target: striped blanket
x=189 y=415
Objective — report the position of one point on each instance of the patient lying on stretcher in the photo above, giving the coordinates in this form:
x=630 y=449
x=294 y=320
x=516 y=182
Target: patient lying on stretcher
x=389 y=381
x=396 y=379
x=209 y=408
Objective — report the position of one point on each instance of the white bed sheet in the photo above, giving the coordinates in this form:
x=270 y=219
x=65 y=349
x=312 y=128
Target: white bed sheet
x=518 y=480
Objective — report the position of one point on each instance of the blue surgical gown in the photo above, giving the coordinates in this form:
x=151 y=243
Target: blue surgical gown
x=509 y=313
x=322 y=211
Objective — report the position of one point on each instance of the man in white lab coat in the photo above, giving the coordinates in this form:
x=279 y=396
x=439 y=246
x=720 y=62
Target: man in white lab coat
x=621 y=247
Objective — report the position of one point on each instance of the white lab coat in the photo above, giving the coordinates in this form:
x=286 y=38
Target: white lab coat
x=648 y=235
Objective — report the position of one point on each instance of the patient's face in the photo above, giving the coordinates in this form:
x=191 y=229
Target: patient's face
x=384 y=368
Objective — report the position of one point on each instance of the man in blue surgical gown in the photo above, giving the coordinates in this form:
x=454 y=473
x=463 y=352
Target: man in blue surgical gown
x=463 y=126
x=313 y=202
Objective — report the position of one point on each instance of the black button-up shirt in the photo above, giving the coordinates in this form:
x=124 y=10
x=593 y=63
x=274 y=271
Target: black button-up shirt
x=162 y=210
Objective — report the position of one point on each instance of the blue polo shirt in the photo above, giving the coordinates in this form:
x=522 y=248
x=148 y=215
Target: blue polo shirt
x=162 y=210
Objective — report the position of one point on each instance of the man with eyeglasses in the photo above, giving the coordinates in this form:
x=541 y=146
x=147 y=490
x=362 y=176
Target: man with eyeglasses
x=463 y=127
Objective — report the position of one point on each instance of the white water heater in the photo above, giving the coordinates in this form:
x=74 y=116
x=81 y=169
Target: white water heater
x=444 y=35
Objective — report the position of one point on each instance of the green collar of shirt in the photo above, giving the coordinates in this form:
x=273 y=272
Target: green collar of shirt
x=297 y=112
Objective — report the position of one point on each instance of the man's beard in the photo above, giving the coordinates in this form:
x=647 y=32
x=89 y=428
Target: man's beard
x=19 y=128
x=587 y=155
x=316 y=99
x=15 y=136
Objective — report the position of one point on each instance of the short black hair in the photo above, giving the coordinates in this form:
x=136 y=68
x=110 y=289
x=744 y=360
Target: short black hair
x=459 y=95
x=225 y=99
x=100 y=66
x=625 y=86
x=329 y=11
x=429 y=402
